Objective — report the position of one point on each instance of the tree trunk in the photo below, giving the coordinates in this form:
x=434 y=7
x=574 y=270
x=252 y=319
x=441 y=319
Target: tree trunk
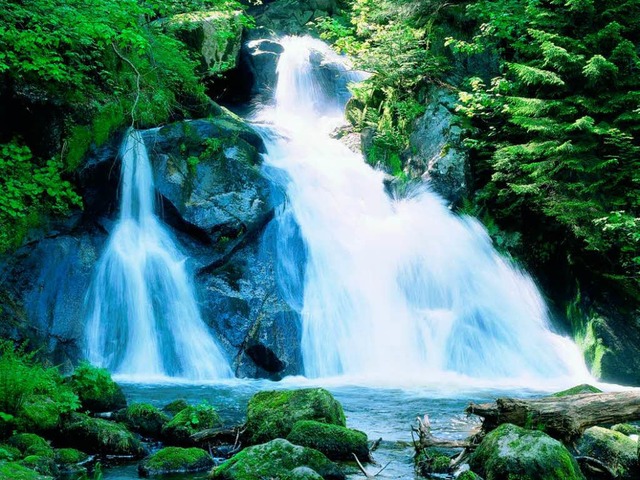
x=563 y=418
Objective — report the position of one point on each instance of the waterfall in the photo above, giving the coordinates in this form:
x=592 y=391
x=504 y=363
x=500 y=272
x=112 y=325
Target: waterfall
x=394 y=288
x=142 y=316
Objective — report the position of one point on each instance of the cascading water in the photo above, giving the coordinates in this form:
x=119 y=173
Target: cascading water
x=394 y=288
x=143 y=319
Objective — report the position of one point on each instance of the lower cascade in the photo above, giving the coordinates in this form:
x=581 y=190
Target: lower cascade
x=395 y=289
x=142 y=316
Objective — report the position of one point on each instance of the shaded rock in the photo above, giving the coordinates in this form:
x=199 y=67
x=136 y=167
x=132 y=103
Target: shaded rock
x=44 y=465
x=513 y=452
x=31 y=444
x=273 y=414
x=275 y=459
x=336 y=442
x=614 y=449
x=291 y=16
x=144 y=419
x=96 y=389
x=175 y=460
x=188 y=421
x=7 y=452
x=577 y=390
x=70 y=461
x=96 y=435
x=15 y=471
x=435 y=149
x=201 y=32
x=259 y=62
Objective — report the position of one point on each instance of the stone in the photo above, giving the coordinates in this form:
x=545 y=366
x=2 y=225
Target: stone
x=275 y=459
x=175 y=460
x=144 y=419
x=290 y=17
x=273 y=414
x=336 y=442
x=188 y=421
x=513 y=452
x=614 y=449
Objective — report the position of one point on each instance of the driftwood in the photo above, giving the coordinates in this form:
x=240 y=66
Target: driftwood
x=564 y=418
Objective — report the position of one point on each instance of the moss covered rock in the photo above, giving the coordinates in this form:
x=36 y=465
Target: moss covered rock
x=614 y=449
x=144 y=419
x=336 y=442
x=275 y=459
x=40 y=413
x=70 y=456
x=96 y=389
x=511 y=452
x=432 y=460
x=15 y=471
x=31 y=444
x=273 y=414
x=188 y=421
x=175 y=460
x=626 y=429
x=9 y=453
x=41 y=464
x=175 y=407
x=578 y=390
x=302 y=473
x=96 y=435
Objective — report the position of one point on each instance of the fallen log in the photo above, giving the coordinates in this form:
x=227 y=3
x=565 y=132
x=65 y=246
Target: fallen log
x=564 y=418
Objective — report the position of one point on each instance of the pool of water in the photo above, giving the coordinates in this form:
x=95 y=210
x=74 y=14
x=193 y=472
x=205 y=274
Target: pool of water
x=386 y=413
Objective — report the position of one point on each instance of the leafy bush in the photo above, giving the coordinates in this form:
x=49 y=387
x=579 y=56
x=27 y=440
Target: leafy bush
x=96 y=389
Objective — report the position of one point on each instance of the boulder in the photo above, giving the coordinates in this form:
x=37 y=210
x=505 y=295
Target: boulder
x=259 y=62
x=290 y=17
x=214 y=37
x=42 y=464
x=273 y=414
x=275 y=459
x=70 y=462
x=31 y=444
x=513 y=452
x=613 y=449
x=96 y=435
x=302 y=473
x=336 y=442
x=144 y=419
x=188 y=421
x=96 y=389
x=175 y=460
x=435 y=150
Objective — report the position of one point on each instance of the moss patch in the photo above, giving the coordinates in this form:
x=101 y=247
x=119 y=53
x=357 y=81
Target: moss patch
x=175 y=407
x=41 y=464
x=31 y=444
x=273 y=414
x=432 y=460
x=336 y=442
x=175 y=460
x=188 y=421
x=96 y=435
x=577 y=390
x=15 y=471
x=70 y=456
x=144 y=419
x=275 y=459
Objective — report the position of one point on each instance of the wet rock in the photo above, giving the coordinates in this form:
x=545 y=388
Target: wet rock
x=175 y=460
x=276 y=459
x=513 y=452
x=613 y=449
x=336 y=442
x=273 y=414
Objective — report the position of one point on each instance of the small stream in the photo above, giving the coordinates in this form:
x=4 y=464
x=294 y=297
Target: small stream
x=386 y=413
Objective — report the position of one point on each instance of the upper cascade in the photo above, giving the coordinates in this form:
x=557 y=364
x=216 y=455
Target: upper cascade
x=142 y=318
x=394 y=288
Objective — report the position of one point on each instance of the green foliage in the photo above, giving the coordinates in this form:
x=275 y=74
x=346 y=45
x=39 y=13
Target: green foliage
x=393 y=42
x=555 y=139
x=32 y=396
x=96 y=389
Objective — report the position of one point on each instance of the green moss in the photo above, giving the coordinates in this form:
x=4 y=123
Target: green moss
x=7 y=452
x=31 y=444
x=626 y=429
x=40 y=413
x=592 y=345
x=273 y=414
x=144 y=419
x=96 y=390
x=176 y=460
x=108 y=119
x=511 y=452
x=275 y=459
x=336 y=442
x=41 y=464
x=15 y=471
x=577 y=390
x=70 y=456
x=188 y=421
x=78 y=144
x=614 y=449
x=468 y=475
x=174 y=407
x=95 y=435
x=432 y=460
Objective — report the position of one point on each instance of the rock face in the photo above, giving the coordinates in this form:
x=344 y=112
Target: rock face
x=290 y=16
x=435 y=150
x=513 y=452
x=215 y=195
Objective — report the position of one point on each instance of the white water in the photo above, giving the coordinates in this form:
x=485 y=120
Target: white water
x=142 y=317
x=397 y=291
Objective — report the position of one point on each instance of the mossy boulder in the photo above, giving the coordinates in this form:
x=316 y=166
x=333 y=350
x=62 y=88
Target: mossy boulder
x=41 y=464
x=302 y=473
x=626 y=429
x=275 y=459
x=70 y=456
x=175 y=460
x=336 y=442
x=15 y=471
x=144 y=419
x=578 y=390
x=432 y=460
x=31 y=444
x=273 y=414
x=96 y=389
x=39 y=413
x=175 y=407
x=511 y=452
x=614 y=449
x=188 y=421
x=9 y=453
x=96 y=435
